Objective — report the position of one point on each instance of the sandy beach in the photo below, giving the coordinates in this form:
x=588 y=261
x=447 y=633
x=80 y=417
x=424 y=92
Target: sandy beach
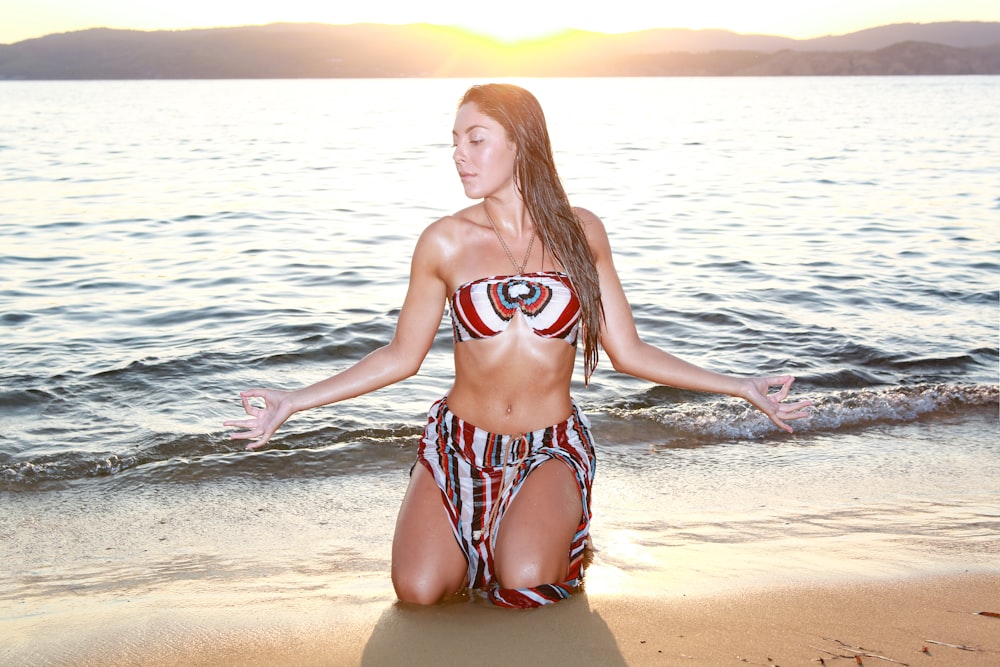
x=925 y=621
x=774 y=569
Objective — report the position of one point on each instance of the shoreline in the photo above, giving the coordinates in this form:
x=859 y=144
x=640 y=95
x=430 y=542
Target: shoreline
x=924 y=620
x=745 y=553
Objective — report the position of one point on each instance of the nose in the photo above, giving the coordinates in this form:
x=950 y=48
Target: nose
x=458 y=155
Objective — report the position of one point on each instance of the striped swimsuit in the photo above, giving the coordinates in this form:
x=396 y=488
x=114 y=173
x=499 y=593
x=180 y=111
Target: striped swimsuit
x=485 y=308
x=479 y=473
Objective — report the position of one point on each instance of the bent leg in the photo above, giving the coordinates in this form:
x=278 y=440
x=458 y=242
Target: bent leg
x=538 y=530
x=427 y=563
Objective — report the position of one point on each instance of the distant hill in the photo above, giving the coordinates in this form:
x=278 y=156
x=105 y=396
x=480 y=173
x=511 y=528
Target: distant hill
x=958 y=34
x=370 y=50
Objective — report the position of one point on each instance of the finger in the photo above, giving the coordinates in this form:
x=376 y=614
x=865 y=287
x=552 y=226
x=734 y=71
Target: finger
x=798 y=409
x=781 y=424
x=257 y=444
x=793 y=412
x=786 y=385
x=240 y=423
x=248 y=407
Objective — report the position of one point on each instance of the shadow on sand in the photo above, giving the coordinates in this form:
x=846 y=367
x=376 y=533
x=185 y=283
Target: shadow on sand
x=478 y=633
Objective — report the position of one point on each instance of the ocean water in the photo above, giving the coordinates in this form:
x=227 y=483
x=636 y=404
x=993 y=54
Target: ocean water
x=165 y=244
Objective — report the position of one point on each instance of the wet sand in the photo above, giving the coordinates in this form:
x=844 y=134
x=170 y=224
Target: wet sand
x=791 y=567
x=925 y=621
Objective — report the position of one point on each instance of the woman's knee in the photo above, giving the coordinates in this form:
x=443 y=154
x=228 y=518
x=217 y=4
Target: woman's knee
x=531 y=571
x=423 y=590
x=427 y=563
x=537 y=531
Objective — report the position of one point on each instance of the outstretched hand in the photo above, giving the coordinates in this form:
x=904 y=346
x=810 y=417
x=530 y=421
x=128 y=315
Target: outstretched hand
x=264 y=420
x=772 y=404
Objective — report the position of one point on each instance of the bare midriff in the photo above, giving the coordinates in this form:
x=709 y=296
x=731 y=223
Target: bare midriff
x=513 y=383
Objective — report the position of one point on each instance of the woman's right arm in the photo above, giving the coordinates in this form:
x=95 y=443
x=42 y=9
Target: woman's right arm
x=418 y=323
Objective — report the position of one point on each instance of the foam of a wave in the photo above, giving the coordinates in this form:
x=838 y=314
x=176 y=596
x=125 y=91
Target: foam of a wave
x=733 y=419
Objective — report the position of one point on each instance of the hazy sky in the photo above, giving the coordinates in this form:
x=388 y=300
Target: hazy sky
x=508 y=19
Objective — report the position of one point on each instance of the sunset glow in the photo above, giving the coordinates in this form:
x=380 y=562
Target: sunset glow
x=510 y=21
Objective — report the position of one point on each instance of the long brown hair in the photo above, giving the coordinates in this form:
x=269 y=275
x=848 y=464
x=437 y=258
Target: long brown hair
x=561 y=232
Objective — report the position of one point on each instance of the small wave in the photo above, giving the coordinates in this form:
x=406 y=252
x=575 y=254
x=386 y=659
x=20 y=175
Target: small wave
x=858 y=366
x=714 y=421
x=899 y=404
x=74 y=465
x=178 y=458
x=24 y=398
x=350 y=448
x=16 y=318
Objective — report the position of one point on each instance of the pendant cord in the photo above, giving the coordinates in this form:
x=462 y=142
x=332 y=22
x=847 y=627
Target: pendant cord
x=520 y=268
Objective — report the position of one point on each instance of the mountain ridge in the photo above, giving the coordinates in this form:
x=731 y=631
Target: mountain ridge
x=315 y=50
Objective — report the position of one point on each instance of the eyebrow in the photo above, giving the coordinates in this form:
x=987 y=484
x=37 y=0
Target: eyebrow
x=470 y=129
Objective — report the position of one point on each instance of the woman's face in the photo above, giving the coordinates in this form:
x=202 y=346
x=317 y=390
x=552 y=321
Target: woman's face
x=483 y=155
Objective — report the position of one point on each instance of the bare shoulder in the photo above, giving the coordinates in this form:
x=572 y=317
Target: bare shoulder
x=442 y=229
x=452 y=224
x=586 y=216
x=441 y=239
x=594 y=228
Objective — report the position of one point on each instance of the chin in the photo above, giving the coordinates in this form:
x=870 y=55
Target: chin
x=472 y=192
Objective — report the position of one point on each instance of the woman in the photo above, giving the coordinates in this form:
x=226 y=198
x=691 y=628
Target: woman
x=501 y=498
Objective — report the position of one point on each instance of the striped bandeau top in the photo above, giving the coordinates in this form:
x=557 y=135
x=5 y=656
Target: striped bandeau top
x=484 y=308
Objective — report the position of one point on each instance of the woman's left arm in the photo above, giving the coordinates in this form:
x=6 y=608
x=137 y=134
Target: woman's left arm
x=630 y=354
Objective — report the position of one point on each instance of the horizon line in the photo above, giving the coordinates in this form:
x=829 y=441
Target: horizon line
x=481 y=34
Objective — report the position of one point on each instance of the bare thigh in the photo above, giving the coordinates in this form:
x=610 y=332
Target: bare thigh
x=427 y=563
x=537 y=530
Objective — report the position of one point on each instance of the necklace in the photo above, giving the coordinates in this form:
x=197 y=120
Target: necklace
x=520 y=268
